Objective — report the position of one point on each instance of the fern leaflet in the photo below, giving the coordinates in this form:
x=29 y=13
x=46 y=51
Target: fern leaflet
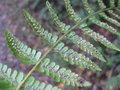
x=14 y=78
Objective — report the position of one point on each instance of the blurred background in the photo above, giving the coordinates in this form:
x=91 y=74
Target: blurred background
x=11 y=17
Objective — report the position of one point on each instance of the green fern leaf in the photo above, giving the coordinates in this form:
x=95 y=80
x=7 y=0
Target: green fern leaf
x=112 y=4
x=72 y=14
x=111 y=12
x=98 y=22
x=69 y=55
x=87 y=31
x=73 y=57
x=46 y=66
x=20 y=50
x=61 y=74
x=100 y=38
x=81 y=43
x=113 y=21
x=14 y=78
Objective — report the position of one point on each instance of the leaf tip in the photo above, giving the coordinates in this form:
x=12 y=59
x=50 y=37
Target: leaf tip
x=6 y=31
x=87 y=84
x=99 y=69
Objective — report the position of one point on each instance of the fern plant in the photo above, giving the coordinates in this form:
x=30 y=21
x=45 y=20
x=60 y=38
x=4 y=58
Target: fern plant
x=47 y=66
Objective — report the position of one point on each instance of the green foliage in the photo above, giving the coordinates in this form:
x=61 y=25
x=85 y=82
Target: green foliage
x=61 y=74
x=11 y=78
x=111 y=12
x=98 y=22
x=111 y=56
x=82 y=44
x=68 y=55
x=86 y=30
x=48 y=67
x=29 y=56
x=113 y=83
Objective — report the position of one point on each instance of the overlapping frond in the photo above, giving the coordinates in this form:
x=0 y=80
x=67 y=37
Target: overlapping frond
x=98 y=22
x=112 y=4
x=20 y=50
x=107 y=18
x=111 y=12
x=78 y=41
x=14 y=78
x=86 y=30
x=69 y=55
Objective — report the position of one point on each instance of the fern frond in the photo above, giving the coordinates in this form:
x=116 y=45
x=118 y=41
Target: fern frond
x=111 y=20
x=111 y=12
x=20 y=50
x=112 y=4
x=15 y=77
x=47 y=67
x=71 y=79
x=62 y=27
x=73 y=57
x=61 y=74
x=69 y=55
x=98 y=22
x=87 y=31
x=72 y=14
x=78 y=41
x=100 y=38
x=37 y=28
x=113 y=83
